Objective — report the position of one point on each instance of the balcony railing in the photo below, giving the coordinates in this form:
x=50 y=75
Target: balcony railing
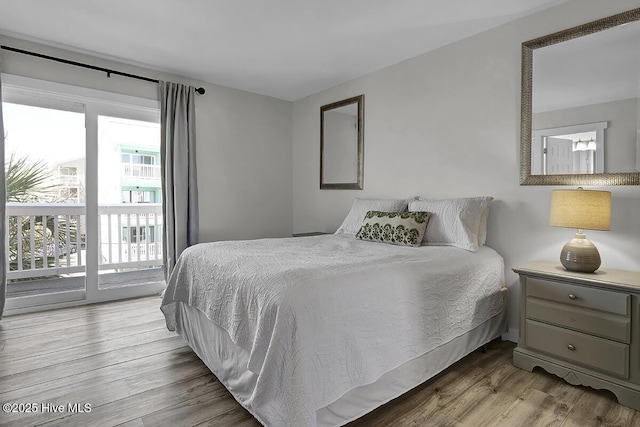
x=49 y=239
x=119 y=247
x=134 y=170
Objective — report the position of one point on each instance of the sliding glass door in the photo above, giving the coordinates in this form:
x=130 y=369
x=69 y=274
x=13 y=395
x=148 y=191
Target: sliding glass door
x=83 y=202
x=129 y=202
x=45 y=166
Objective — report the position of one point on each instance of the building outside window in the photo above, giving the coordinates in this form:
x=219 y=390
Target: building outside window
x=69 y=194
x=139 y=196
x=139 y=234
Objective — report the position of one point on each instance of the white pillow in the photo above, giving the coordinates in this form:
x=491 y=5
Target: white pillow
x=454 y=222
x=360 y=207
x=482 y=230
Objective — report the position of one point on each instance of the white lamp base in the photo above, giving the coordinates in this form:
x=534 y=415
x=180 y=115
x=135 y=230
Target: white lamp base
x=579 y=254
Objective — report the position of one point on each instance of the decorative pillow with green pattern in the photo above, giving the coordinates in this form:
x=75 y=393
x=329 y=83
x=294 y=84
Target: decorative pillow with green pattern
x=397 y=228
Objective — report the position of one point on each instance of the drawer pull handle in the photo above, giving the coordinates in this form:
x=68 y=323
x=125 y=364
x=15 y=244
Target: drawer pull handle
x=572 y=296
x=571 y=347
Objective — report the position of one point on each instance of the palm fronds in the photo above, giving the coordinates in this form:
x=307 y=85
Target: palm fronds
x=34 y=182
x=27 y=181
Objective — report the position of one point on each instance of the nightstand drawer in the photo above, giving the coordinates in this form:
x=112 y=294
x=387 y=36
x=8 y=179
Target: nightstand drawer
x=590 y=321
x=597 y=353
x=581 y=296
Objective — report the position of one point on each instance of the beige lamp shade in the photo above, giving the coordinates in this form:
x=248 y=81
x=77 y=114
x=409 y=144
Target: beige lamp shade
x=582 y=209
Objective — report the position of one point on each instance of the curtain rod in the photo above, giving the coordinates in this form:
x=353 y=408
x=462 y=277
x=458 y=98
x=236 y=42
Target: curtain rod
x=199 y=90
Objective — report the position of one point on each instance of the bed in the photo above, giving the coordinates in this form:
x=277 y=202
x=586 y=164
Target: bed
x=318 y=331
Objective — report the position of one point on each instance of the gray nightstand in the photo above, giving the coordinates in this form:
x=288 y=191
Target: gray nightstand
x=582 y=327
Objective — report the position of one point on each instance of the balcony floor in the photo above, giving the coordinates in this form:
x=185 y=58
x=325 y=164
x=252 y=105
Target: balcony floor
x=66 y=284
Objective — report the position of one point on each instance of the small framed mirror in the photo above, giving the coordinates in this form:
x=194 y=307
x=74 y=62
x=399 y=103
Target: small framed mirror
x=342 y=144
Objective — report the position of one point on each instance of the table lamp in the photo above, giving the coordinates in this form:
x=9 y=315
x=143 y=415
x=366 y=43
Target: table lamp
x=581 y=209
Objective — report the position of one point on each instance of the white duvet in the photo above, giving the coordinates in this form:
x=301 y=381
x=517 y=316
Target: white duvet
x=320 y=316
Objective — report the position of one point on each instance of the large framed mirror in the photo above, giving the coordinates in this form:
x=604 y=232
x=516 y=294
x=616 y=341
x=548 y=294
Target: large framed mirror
x=580 y=119
x=342 y=144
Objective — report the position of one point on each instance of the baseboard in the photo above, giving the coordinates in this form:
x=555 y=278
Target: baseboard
x=512 y=335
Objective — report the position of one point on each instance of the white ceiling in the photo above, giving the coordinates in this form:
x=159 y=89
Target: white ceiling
x=287 y=49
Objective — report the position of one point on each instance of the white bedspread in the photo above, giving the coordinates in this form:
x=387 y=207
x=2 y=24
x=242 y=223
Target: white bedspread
x=322 y=315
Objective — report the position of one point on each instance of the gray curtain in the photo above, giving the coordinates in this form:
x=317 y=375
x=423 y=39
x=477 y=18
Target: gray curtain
x=178 y=160
x=3 y=211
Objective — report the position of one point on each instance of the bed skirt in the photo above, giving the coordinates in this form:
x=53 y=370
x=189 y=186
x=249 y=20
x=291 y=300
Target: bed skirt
x=228 y=363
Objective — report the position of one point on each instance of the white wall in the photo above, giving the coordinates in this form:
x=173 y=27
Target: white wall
x=447 y=124
x=243 y=142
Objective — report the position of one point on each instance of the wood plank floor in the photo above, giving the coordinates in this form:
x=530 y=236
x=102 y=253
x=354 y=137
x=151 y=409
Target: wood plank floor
x=119 y=358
